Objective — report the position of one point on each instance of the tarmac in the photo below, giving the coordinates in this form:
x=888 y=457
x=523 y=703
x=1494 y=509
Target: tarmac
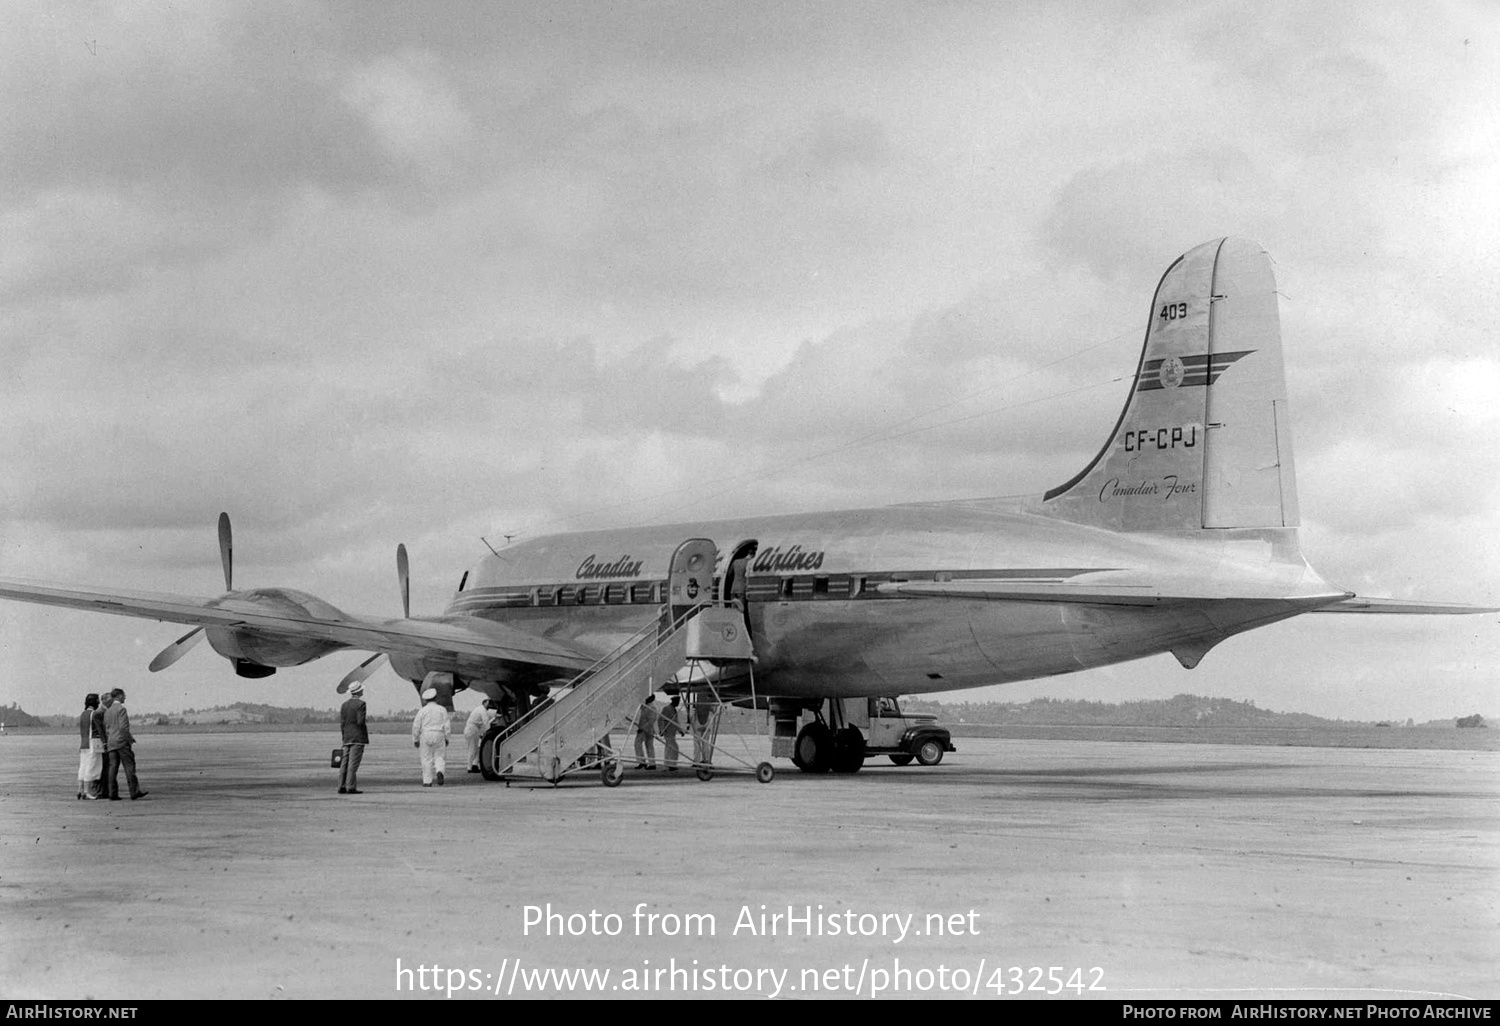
x=1131 y=871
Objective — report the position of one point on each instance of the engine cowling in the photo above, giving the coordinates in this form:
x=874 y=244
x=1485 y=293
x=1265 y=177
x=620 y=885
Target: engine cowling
x=253 y=651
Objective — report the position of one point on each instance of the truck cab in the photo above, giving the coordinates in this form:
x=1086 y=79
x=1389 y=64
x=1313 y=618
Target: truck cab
x=904 y=736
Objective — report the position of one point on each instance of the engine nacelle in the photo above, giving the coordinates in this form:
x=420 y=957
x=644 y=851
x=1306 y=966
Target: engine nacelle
x=254 y=651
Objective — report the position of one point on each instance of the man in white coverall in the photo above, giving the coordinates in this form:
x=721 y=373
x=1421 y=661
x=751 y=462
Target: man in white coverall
x=474 y=730
x=646 y=722
x=429 y=732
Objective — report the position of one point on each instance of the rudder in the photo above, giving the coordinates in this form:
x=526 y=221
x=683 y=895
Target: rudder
x=1204 y=440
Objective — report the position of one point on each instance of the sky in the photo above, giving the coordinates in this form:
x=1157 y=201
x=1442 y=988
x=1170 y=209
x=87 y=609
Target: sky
x=362 y=274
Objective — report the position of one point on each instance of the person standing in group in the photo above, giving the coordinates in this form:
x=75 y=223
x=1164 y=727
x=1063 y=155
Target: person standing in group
x=646 y=721
x=90 y=764
x=98 y=741
x=475 y=728
x=118 y=743
x=671 y=728
x=702 y=724
x=429 y=733
x=355 y=735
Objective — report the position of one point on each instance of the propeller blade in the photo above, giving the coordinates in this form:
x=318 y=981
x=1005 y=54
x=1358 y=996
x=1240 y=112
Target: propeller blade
x=226 y=551
x=173 y=652
x=405 y=578
x=360 y=673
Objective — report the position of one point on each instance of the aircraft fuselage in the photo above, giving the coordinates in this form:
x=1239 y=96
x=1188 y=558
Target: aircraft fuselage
x=826 y=620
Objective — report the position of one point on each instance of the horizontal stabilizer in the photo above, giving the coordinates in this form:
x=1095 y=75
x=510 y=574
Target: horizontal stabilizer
x=1360 y=604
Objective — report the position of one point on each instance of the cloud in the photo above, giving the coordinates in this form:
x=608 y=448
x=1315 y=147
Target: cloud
x=1105 y=216
x=72 y=243
x=362 y=275
x=412 y=110
x=198 y=100
x=836 y=143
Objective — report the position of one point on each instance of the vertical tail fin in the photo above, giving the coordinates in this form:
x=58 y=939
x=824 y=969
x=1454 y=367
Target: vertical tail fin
x=1204 y=440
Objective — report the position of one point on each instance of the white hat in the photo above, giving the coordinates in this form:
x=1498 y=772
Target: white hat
x=429 y=694
x=356 y=688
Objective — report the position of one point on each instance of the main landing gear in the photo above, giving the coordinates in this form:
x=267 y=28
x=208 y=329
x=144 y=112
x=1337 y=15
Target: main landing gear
x=820 y=749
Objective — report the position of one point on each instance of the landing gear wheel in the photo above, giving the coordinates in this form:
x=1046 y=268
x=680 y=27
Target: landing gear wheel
x=929 y=753
x=903 y=759
x=813 y=752
x=611 y=773
x=848 y=751
x=487 y=755
x=704 y=773
x=765 y=773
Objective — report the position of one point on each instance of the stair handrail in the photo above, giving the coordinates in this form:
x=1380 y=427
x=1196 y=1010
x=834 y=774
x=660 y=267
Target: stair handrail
x=619 y=652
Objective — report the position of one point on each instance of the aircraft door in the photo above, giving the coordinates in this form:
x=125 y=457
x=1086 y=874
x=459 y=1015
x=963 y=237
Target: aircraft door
x=690 y=582
x=735 y=588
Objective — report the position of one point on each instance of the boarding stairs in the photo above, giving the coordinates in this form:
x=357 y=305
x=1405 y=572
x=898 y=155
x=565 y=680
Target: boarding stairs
x=558 y=733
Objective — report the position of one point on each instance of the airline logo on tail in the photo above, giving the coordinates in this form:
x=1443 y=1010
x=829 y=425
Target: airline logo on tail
x=1186 y=371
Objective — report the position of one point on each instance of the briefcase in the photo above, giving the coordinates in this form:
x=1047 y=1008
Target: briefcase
x=338 y=758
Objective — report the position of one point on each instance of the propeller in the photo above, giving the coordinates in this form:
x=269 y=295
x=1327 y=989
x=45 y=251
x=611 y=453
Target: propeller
x=366 y=669
x=177 y=649
x=405 y=579
x=226 y=551
x=361 y=673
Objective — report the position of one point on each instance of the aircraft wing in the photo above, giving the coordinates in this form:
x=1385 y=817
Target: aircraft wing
x=1119 y=588
x=470 y=637
x=1108 y=588
x=1360 y=604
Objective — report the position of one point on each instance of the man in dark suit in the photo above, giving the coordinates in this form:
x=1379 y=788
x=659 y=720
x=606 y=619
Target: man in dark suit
x=356 y=736
x=118 y=744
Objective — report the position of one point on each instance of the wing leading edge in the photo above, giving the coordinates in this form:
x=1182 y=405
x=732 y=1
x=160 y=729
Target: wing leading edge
x=1117 y=589
x=1123 y=589
x=472 y=640
x=1361 y=604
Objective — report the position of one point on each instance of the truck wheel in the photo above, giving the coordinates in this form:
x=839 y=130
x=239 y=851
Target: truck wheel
x=929 y=752
x=902 y=759
x=765 y=773
x=813 y=752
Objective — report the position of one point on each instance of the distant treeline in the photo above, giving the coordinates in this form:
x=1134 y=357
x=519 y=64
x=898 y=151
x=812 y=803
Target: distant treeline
x=239 y=712
x=14 y=716
x=256 y=712
x=1178 y=711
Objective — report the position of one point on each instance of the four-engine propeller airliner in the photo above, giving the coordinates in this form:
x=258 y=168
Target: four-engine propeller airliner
x=1179 y=533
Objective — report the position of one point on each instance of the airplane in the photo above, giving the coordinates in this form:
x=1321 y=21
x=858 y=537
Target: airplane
x=1181 y=532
